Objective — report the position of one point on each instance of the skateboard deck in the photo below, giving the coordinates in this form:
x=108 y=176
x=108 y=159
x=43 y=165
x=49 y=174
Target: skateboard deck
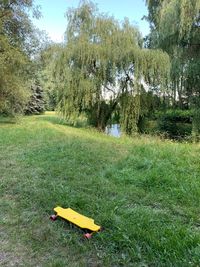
x=77 y=219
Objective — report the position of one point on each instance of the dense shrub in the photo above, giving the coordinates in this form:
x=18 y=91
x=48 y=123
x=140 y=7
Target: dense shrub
x=175 y=124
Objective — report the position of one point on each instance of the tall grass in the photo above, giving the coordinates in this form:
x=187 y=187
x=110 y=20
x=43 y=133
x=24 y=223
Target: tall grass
x=144 y=192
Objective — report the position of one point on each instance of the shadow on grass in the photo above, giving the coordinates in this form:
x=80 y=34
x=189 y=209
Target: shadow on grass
x=52 y=119
x=7 y=120
x=55 y=119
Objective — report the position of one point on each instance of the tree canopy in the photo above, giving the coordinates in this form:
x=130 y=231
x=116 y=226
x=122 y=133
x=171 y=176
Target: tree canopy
x=175 y=29
x=103 y=65
x=104 y=70
x=18 y=42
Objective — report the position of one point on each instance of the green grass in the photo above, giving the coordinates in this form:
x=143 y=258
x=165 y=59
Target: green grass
x=145 y=193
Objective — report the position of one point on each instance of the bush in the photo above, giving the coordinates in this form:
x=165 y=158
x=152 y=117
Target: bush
x=176 y=124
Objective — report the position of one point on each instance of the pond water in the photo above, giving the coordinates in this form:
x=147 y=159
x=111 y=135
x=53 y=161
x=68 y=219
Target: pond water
x=113 y=130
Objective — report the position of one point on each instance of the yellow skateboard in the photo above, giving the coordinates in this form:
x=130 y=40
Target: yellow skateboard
x=77 y=219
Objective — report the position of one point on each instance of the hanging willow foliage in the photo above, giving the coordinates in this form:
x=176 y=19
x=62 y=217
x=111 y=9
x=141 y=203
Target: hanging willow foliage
x=175 y=28
x=103 y=65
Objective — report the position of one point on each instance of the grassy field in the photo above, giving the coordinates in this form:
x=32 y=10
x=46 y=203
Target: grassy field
x=145 y=193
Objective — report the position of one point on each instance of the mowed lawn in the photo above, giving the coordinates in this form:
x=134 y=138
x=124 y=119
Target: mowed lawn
x=144 y=192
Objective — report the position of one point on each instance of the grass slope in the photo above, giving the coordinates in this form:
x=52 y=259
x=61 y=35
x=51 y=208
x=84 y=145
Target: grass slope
x=144 y=192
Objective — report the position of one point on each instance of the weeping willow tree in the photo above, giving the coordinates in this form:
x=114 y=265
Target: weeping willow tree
x=102 y=66
x=175 y=27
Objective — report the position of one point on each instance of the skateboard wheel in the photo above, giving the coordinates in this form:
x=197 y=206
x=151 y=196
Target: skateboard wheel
x=53 y=217
x=88 y=235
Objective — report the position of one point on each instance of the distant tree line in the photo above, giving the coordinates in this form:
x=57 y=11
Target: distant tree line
x=105 y=70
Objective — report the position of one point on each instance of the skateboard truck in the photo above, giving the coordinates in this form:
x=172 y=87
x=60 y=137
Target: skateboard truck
x=77 y=219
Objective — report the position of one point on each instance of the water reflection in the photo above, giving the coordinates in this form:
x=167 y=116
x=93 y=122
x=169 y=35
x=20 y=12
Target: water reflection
x=113 y=130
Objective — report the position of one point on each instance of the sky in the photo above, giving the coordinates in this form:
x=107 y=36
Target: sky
x=54 y=22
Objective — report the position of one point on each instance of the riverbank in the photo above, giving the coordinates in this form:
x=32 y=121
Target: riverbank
x=145 y=193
